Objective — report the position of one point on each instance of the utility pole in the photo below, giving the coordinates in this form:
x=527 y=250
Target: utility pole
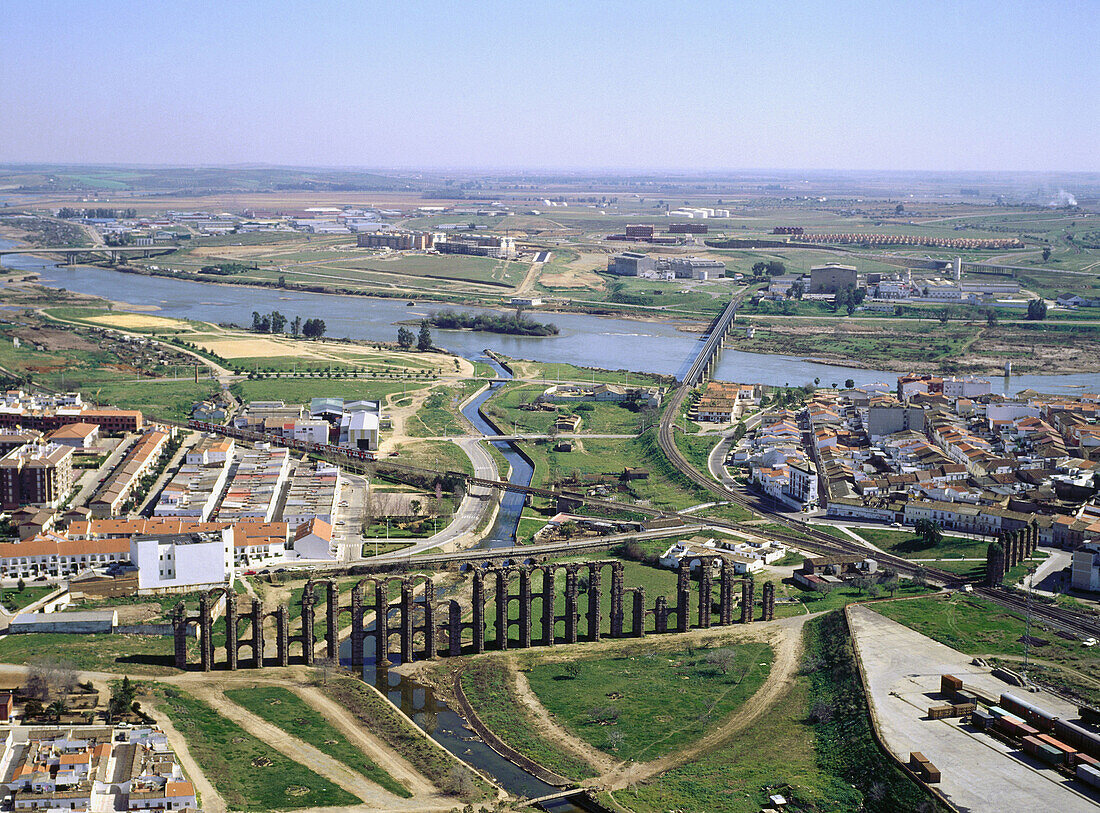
x=1027 y=617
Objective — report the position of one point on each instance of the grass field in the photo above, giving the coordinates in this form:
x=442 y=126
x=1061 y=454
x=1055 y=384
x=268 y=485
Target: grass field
x=303 y=390
x=596 y=418
x=131 y=654
x=976 y=626
x=829 y=765
x=438 y=416
x=283 y=708
x=487 y=685
x=14 y=599
x=910 y=546
x=656 y=702
x=249 y=774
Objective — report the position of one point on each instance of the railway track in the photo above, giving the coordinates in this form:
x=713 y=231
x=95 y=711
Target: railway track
x=1058 y=618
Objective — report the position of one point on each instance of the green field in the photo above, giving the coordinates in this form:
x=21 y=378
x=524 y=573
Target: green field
x=640 y=687
x=303 y=390
x=486 y=684
x=976 y=626
x=130 y=654
x=820 y=765
x=438 y=416
x=282 y=708
x=596 y=418
x=249 y=774
x=910 y=546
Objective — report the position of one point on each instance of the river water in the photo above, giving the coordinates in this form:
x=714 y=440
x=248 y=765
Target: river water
x=586 y=341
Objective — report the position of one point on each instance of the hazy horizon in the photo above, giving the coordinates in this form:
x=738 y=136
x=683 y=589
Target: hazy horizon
x=561 y=87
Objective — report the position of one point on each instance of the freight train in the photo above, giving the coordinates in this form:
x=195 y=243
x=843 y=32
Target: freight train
x=1072 y=734
x=279 y=440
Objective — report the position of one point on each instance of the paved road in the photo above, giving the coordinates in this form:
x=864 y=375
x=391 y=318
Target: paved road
x=474 y=505
x=979 y=773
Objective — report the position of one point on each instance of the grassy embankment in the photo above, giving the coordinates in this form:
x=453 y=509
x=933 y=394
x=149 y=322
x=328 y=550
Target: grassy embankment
x=283 y=708
x=430 y=760
x=248 y=773
x=487 y=685
x=976 y=626
x=813 y=746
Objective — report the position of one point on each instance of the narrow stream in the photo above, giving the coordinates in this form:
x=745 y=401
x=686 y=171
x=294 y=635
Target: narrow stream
x=503 y=534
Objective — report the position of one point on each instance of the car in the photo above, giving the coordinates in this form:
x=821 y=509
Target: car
x=1089 y=642
x=250 y=573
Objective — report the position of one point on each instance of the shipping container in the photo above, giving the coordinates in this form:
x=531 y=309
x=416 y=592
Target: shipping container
x=1031 y=745
x=940 y=712
x=1085 y=759
x=1050 y=755
x=916 y=758
x=929 y=772
x=980 y=718
x=1089 y=775
x=963 y=696
x=997 y=711
x=950 y=684
x=963 y=708
x=1061 y=746
x=1026 y=730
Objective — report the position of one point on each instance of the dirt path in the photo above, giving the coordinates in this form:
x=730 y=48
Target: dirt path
x=212 y=802
x=786 y=638
x=379 y=752
x=550 y=729
x=301 y=752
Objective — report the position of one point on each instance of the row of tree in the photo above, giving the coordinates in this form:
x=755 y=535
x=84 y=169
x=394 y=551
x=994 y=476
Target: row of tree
x=275 y=322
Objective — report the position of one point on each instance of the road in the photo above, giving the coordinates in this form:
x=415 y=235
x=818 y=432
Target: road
x=475 y=504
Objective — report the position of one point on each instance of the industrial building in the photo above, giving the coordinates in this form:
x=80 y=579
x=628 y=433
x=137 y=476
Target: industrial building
x=630 y=264
x=696 y=268
x=500 y=248
x=830 y=278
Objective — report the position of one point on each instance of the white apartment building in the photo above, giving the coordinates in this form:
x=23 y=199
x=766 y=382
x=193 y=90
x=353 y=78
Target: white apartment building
x=170 y=563
x=1085 y=574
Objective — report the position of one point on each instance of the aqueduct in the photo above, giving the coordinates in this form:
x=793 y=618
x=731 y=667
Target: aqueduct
x=427 y=628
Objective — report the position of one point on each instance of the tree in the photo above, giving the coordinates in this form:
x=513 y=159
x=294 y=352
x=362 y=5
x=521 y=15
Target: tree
x=313 y=328
x=797 y=290
x=21 y=586
x=1046 y=253
x=991 y=318
x=944 y=316
x=1037 y=310
x=278 y=322
x=296 y=327
x=405 y=337
x=722 y=659
x=424 y=338
x=256 y=321
x=899 y=209
x=776 y=268
x=929 y=532
x=849 y=383
x=573 y=670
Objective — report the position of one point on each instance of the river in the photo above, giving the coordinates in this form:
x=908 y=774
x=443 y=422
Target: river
x=584 y=340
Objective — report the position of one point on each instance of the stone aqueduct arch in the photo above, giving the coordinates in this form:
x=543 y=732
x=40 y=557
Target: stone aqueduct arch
x=427 y=628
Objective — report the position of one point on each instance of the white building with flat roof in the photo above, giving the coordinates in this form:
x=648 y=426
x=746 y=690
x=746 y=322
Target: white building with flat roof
x=1085 y=574
x=171 y=563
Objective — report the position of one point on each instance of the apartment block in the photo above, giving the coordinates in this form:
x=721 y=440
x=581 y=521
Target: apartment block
x=36 y=474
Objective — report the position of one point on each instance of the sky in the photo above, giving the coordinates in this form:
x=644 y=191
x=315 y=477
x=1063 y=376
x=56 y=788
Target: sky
x=522 y=84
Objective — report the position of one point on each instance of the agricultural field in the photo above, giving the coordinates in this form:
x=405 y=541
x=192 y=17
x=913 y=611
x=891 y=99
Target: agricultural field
x=596 y=418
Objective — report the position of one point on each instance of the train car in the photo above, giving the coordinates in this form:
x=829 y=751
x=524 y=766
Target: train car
x=1080 y=738
x=1089 y=775
x=1036 y=716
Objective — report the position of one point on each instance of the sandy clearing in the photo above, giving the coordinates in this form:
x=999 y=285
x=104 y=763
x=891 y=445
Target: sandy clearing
x=137 y=321
x=234 y=348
